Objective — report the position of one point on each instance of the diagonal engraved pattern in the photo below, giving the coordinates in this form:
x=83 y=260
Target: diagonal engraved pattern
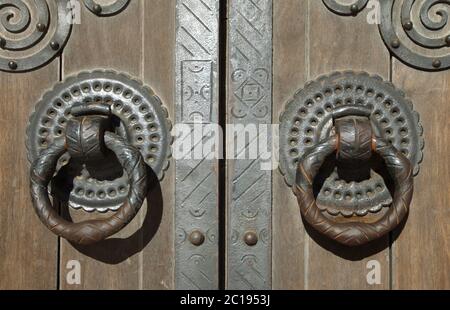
x=196 y=180
x=250 y=101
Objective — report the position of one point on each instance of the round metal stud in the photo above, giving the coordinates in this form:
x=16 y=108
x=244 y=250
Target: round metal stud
x=308 y=119
x=12 y=65
x=250 y=238
x=41 y=27
x=97 y=9
x=408 y=25
x=437 y=63
x=354 y=9
x=197 y=238
x=138 y=116
x=395 y=43
x=54 y=45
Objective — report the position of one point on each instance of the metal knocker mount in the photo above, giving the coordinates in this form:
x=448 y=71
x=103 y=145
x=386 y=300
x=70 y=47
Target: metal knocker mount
x=98 y=131
x=364 y=190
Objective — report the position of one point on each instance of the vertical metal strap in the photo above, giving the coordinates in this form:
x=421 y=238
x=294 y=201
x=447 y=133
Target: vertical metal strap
x=250 y=102
x=196 y=213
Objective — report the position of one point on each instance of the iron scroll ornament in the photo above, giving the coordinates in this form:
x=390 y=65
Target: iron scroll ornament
x=365 y=115
x=413 y=37
x=33 y=33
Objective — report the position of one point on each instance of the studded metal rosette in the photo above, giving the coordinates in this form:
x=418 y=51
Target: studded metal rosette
x=139 y=117
x=415 y=31
x=32 y=33
x=308 y=120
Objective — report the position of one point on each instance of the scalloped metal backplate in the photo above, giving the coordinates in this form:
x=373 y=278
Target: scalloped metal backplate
x=143 y=121
x=307 y=120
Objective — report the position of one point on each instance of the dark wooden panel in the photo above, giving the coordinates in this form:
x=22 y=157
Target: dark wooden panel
x=421 y=254
x=289 y=73
x=159 y=53
x=28 y=250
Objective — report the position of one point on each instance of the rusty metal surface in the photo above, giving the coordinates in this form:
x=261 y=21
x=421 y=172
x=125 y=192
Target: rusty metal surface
x=197 y=85
x=139 y=117
x=250 y=193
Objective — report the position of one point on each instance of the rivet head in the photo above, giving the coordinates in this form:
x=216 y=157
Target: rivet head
x=197 y=238
x=12 y=65
x=97 y=9
x=54 y=45
x=437 y=63
x=395 y=43
x=41 y=27
x=2 y=42
x=408 y=25
x=250 y=238
x=354 y=9
x=447 y=40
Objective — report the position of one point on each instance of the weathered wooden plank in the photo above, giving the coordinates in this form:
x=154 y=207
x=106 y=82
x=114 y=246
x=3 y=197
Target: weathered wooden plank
x=29 y=250
x=113 y=43
x=421 y=254
x=289 y=43
x=158 y=258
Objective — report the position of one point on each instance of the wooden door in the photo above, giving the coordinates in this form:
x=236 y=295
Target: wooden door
x=310 y=41
x=140 y=42
x=230 y=222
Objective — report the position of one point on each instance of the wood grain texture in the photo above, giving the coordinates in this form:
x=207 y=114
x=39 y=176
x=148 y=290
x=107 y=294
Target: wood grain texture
x=421 y=254
x=28 y=258
x=289 y=73
x=113 y=43
x=158 y=72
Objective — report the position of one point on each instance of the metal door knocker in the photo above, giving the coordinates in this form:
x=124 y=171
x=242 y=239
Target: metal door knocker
x=94 y=136
x=364 y=191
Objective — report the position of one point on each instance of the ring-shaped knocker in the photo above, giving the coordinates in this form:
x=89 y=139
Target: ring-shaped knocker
x=91 y=231
x=354 y=233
